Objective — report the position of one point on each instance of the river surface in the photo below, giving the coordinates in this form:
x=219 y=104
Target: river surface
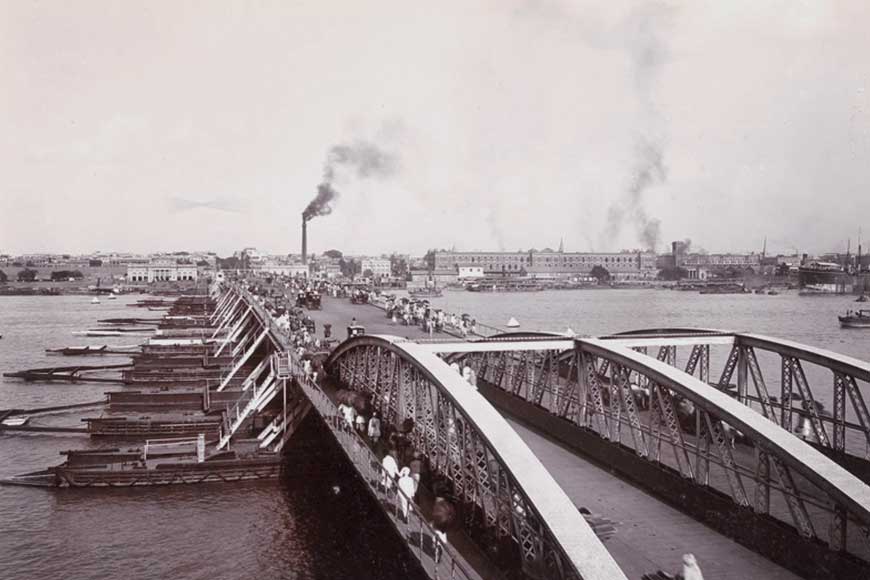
x=298 y=527
x=294 y=528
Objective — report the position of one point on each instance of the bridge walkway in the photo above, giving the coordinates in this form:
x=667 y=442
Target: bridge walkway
x=424 y=498
x=650 y=535
x=339 y=312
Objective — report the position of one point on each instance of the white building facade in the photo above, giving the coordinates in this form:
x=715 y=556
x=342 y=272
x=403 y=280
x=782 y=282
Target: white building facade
x=378 y=266
x=162 y=272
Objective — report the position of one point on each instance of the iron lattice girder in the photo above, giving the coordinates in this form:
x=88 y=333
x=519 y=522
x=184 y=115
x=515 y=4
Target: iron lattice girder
x=847 y=496
x=458 y=428
x=841 y=487
x=844 y=491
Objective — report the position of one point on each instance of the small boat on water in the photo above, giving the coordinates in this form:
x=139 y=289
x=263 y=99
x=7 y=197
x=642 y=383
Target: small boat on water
x=504 y=286
x=16 y=421
x=95 y=300
x=112 y=297
x=426 y=292
x=855 y=319
x=724 y=288
x=97 y=333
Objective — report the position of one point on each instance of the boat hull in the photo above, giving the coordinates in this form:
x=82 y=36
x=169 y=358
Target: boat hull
x=171 y=474
x=854 y=323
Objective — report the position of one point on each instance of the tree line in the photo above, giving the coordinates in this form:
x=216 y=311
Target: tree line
x=29 y=275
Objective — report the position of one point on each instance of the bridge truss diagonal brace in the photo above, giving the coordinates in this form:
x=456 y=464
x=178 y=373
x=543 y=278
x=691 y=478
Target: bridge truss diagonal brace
x=243 y=360
x=668 y=415
x=851 y=387
x=237 y=327
x=809 y=404
x=738 y=492
x=730 y=365
x=230 y=317
x=627 y=396
x=593 y=386
x=760 y=386
x=795 y=504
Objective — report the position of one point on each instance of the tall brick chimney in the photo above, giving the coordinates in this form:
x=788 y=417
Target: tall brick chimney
x=304 y=240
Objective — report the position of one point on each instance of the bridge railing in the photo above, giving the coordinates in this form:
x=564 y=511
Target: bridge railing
x=643 y=412
x=444 y=561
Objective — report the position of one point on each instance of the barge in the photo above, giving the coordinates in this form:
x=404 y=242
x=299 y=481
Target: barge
x=131 y=470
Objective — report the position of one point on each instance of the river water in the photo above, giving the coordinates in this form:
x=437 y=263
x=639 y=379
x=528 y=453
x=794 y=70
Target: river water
x=298 y=527
x=294 y=528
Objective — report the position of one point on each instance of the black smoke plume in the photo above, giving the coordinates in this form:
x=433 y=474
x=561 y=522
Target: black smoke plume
x=322 y=202
x=648 y=53
x=359 y=159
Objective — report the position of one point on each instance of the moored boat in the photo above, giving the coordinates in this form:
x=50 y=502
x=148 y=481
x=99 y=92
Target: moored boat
x=426 y=292
x=504 y=286
x=820 y=278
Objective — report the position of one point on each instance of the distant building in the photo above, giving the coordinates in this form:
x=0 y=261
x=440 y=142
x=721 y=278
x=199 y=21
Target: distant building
x=330 y=270
x=423 y=277
x=161 y=270
x=552 y=264
x=282 y=269
x=377 y=266
x=470 y=272
x=697 y=273
x=722 y=261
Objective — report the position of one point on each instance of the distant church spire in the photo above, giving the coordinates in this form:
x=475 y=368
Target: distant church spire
x=561 y=245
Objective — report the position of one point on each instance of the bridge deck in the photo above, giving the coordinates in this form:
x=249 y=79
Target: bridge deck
x=650 y=535
x=339 y=312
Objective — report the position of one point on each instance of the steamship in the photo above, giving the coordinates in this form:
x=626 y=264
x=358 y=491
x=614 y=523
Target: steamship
x=824 y=278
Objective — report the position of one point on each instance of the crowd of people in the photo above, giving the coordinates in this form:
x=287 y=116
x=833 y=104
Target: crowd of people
x=403 y=468
x=410 y=312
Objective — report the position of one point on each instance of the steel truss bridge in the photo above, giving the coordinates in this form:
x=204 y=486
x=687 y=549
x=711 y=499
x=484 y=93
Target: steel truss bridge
x=644 y=403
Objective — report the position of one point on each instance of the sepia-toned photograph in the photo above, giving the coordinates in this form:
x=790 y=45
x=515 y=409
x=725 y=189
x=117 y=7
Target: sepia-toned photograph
x=480 y=290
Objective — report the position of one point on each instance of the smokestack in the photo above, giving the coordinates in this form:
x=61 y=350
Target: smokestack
x=304 y=240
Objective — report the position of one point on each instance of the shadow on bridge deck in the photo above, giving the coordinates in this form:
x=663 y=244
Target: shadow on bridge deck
x=650 y=535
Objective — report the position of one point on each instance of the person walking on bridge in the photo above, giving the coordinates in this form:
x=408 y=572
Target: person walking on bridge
x=408 y=487
x=374 y=428
x=691 y=570
x=390 y=470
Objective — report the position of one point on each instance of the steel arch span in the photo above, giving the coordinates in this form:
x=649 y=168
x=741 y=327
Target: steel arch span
x=671 y=426
x=501 y=483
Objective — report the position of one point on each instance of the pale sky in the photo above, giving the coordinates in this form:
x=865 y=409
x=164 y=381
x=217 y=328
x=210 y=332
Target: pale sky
x=169 y=125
